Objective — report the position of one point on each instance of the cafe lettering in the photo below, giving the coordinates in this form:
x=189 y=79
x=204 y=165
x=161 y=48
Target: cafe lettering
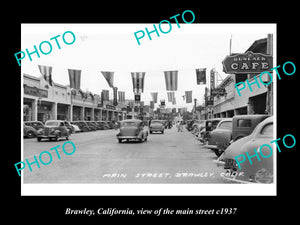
x=248 y=62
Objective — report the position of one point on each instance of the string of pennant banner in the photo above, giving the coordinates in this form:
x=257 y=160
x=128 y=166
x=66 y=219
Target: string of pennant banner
x=138 y=79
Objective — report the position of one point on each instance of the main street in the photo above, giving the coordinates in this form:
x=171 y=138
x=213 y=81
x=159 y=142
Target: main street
x=172 y=157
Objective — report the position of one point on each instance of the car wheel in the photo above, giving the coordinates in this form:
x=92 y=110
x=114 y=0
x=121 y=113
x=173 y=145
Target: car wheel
x=162 y=131
x=67 y=137
x=150 y=132
x=120 y=140
x=57 y=137
x=30 y=134
x=39 y=139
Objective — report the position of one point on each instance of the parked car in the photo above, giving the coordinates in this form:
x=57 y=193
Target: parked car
x=35 y=124
x=197 y=126
x=157 y=126
x=70 y=127
x=243 y=125
x=82 y=126
x=260 y=171
x=210 y=125
x=103 y=125
x=132 y=129
x=189 y=124
x=93 y=126
x=220 y=137
x=54 y=129
x=110 y=124
x=28 y=131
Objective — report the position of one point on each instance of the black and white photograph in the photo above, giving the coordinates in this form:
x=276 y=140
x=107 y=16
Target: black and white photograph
x=144 y=109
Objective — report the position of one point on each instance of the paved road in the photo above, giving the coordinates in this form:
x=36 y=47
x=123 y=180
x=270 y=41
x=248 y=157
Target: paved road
x=172 y=157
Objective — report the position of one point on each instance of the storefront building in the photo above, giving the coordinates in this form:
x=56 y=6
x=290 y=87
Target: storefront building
x=257 y=101
x=42 y=101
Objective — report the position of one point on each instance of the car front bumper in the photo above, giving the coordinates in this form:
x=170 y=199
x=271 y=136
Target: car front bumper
x=46 y=136
x=128 y=137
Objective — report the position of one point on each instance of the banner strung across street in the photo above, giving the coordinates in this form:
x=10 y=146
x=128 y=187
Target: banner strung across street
x=171 y=78
x=154 y=96
x=121 y=96
x=171 y=96
x=109 y=76
x=46 y=71
x=201 y=75
x=188 y=97
x=138 y=82
x=74 y=76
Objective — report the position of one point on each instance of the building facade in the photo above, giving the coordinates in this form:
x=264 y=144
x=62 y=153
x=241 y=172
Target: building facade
x=257 y=101
x=42 y=101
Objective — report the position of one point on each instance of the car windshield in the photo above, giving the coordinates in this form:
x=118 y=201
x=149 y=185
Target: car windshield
x=52 y=123
x=156 y=121
x=129 y=124
x=226 y=125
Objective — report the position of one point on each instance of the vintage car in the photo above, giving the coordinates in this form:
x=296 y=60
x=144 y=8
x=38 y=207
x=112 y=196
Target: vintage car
x=210 y=125
x=132 y=129
x=54 y=129
x=35 y=124
x=220 y=137
x=110 y=124
x=71 y=127
x=28 y=131
x=103 y=125
x=259 y=171
x=157 y=126
x=243 y=125
x=189 y=124
x=91 y=125
x=82 y=126
x=197 y=126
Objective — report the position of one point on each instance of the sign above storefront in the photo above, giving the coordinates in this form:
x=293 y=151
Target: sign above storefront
x=35 y=91
x=110 y=107
x=248 y=62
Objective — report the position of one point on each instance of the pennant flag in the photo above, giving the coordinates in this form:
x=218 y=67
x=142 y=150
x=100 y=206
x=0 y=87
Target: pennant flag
x=121 y=96
x=188 y=97
x=171 y=78
x=171 y=96
x=152 y=104
x=74 y=77
x=201 y=76
x=138 y=82
x=154 y=96
x=109 y=76
x=137 y=97
x=115 y=100
x=174 y=101
x=105 y=95
x=46 y=71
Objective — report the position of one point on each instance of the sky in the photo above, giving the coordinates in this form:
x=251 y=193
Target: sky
x=113 y=47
